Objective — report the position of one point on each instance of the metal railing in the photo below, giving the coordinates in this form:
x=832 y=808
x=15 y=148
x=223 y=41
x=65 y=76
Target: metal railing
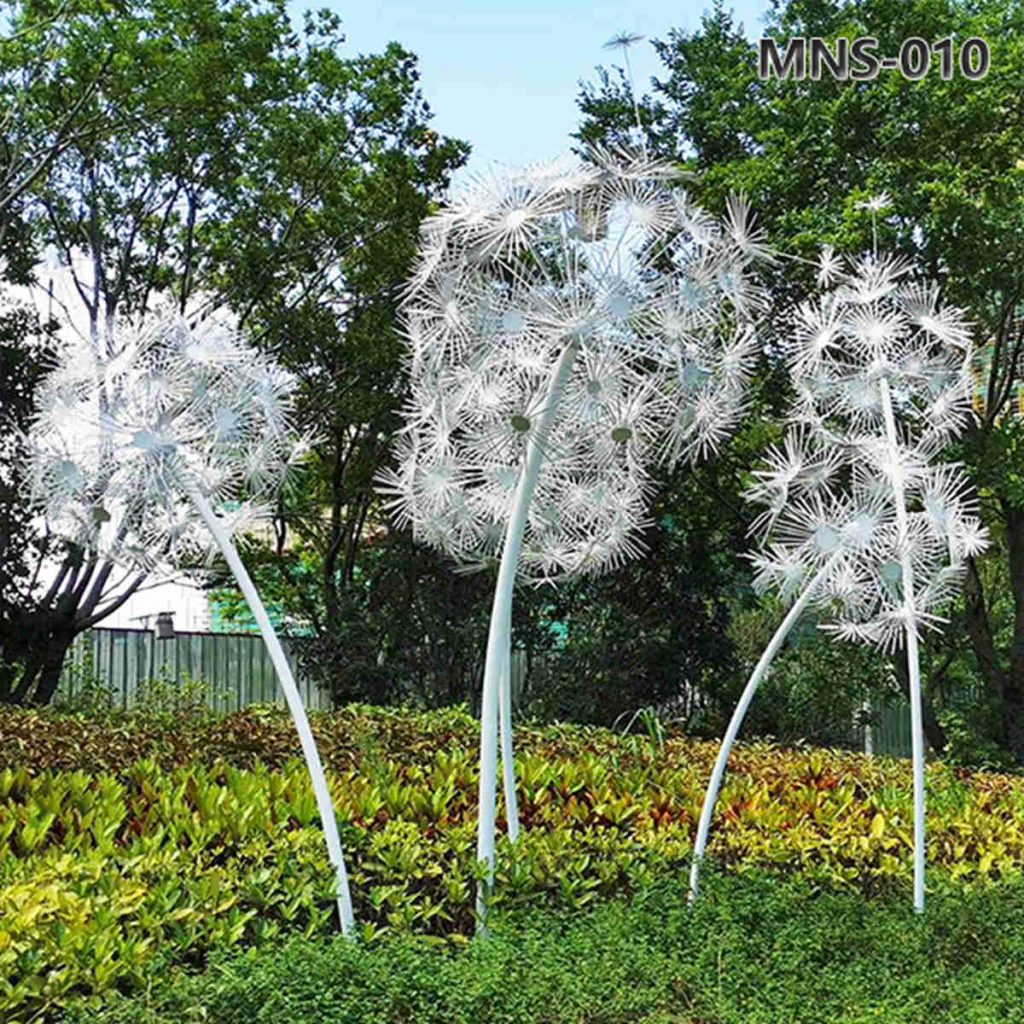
x=234 y=669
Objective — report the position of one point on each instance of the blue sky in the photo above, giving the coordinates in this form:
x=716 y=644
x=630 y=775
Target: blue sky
x=503 y=74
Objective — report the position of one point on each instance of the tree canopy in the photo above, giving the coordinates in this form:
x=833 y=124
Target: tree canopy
x=195 y=152
x=950 y=157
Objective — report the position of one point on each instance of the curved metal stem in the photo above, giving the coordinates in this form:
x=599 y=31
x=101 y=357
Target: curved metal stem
x=325 y=805
x=508 y=763
x=740 y=712
x=913 y=661
x=497 y=675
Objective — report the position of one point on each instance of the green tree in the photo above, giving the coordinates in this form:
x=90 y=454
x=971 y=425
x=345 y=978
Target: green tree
x=951 y=156
x=329 y=312
x=234 y=160
x=25 y=355
x=655 y=632
x=28 y=148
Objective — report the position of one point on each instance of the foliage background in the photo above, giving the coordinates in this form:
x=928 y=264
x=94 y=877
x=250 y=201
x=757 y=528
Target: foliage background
x=950 y=157
x=194 y=150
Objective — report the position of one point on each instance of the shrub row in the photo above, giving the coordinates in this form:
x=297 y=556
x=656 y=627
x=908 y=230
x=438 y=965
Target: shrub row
x=41 y=740
x=106 y=876
x=752 y=951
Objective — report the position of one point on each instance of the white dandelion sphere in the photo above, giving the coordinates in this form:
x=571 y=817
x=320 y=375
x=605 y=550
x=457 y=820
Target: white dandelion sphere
x=119 y=444
x=608 y=261
x=876 y=323
x=845 y=496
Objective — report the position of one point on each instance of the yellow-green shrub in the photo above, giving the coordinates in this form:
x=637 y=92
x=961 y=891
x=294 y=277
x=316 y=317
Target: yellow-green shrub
x=105 y=876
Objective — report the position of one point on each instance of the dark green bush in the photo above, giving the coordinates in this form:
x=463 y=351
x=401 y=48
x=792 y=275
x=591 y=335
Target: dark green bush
x=754 y=950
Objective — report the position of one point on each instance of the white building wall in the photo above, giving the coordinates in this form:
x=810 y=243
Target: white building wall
x=189 y=604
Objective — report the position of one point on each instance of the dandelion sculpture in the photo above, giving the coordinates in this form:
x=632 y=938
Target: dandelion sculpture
x=137 y=455
x=569 y=325
x=858 y=522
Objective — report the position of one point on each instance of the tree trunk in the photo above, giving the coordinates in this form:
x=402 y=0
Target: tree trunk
x=1013 y=719
x=1013 y=678
x=48 y=635
x=933 y=731
x=1006 y=685
x=60 y=642
x=980 y=632
x=36 y=639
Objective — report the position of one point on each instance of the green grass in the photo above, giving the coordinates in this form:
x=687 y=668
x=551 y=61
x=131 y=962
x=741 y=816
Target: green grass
x=755 y=950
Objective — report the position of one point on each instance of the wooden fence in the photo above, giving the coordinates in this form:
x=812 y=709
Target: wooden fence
x=234 y=668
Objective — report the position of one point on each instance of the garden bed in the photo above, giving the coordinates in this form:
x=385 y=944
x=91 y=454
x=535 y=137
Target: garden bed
x=116 y=869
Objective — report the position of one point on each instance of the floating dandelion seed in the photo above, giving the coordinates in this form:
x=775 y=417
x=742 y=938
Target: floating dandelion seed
x=159 y=455
x=570 y=325
x=876 y=203
x=624 y=42
x=857 y=521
